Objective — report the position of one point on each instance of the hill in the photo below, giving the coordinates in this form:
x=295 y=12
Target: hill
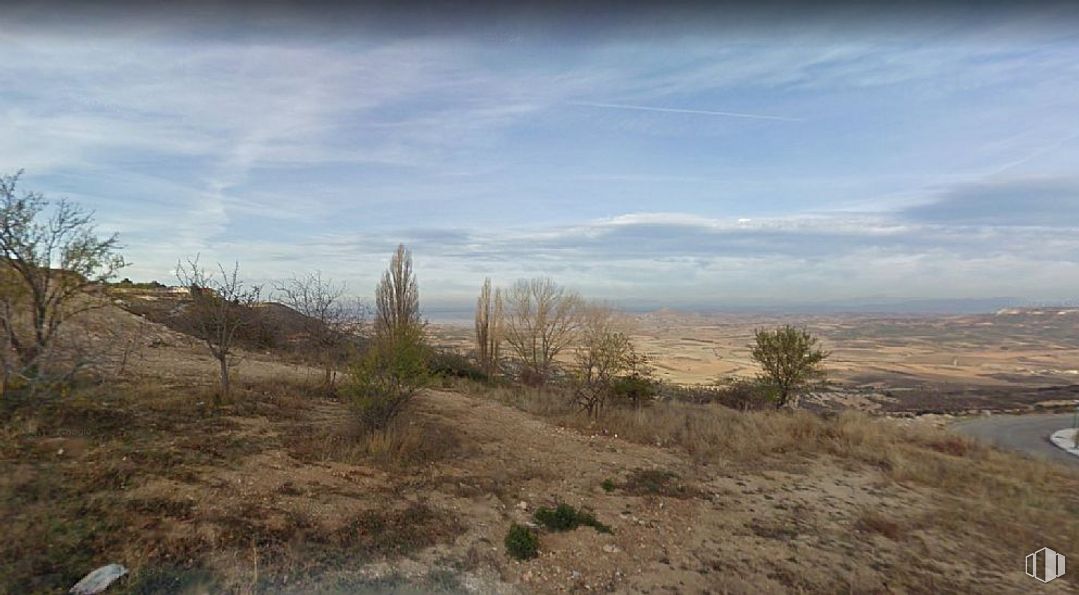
x=276 y=492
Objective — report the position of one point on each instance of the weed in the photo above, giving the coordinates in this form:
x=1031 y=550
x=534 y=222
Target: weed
x=565 y=518
x=656 y=482
x=608 y=485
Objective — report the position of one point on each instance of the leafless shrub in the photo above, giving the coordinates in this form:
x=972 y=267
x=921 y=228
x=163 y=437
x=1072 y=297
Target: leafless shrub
x=330 y=320
x=603 y=353
x=220 y=307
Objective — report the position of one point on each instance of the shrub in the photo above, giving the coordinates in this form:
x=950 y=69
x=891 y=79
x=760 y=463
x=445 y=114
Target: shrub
x=634 y=390
x=521 y=542
x=744 y=394
x=565 y=518
x=450 y=364
x=608 y=485
x=657 y=482
x=388 y=375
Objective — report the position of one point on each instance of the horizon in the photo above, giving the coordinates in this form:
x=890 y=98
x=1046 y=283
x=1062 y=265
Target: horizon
x=793 y=167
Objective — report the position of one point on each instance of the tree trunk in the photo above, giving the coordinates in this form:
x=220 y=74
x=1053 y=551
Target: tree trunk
x=224 y=394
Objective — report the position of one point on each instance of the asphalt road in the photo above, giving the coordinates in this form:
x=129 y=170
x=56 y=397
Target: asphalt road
x=1026 y=433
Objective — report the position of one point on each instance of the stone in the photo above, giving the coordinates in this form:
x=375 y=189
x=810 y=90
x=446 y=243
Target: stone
x=98 y=580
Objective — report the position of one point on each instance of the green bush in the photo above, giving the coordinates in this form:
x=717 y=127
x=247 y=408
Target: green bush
x=608 y=485
x=387 y=376
x=450 y=364
x=521 y=542
x=565 y=518
x=634 y=390
x=745 y=394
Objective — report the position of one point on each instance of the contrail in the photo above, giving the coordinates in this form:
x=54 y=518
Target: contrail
x=673 y=110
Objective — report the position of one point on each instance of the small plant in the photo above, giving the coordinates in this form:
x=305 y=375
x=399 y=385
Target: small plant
x=656 y=482
x=608 y=485
x=565 y=518
x=521 y=542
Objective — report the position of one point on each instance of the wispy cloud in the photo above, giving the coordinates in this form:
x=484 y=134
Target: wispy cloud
x=672 y=110
x=310 y=152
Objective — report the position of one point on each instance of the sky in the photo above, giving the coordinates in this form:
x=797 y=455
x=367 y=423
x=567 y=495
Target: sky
x=684 y=161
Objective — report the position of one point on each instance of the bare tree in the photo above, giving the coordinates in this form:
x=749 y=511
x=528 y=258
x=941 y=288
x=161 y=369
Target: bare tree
x=51 y=262
x=221 y=306
x=489 y=327
x=397 y=297
x=541 y=319
x=329 y=319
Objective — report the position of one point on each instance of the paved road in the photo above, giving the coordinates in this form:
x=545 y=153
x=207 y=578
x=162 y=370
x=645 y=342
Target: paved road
x=1027 y=433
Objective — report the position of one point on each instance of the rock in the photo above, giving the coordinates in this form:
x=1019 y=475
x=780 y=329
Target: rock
x=522 y=505
x=98 y=580
x=611 y=548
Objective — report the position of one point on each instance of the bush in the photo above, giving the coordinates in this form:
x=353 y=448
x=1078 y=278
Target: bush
x=745 y=394
x=388 y=375
x=565 y=518
x=634 y=390
x=450 y=364
x=742 y=394
x=521 y=542
x=608 y=485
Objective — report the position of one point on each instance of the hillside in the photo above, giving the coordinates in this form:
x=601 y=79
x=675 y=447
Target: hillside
x=276 y=493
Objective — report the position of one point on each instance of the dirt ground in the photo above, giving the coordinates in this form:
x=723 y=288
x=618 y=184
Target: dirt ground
x=271 y=494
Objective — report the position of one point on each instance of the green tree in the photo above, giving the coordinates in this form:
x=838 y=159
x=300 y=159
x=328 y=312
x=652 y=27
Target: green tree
x=791 y=361
x=394 y=369
x=386 y=377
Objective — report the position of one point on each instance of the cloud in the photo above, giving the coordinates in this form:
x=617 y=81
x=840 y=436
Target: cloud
x=298 y=153
x=672 y=110
x=1047 y=202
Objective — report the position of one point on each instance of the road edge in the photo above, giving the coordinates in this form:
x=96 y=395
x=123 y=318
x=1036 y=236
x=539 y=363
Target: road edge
x=1065 y=440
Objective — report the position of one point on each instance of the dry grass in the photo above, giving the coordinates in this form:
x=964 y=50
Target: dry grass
x=977 y=491
x=406 y=444
x=77 y=490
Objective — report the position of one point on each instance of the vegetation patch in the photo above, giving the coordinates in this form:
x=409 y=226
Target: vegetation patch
x=657 y=482
x=564 y=517
x=521 y=542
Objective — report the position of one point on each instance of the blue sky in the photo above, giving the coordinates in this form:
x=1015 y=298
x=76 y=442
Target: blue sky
x=799 y=164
